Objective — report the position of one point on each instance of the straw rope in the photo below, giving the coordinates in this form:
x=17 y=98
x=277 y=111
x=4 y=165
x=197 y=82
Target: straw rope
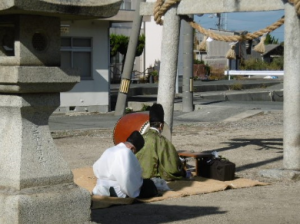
x=234 y=38
x=202 y=45
x=260 y=48
x=231 y=53
x=162 y=6
x=296 y=4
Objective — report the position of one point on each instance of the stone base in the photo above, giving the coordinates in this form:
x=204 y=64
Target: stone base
x=83 y=109
x=60 y=204
x=137 y=106
x=281 y=174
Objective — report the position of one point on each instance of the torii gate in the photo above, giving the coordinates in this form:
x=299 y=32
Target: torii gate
x=171 y=29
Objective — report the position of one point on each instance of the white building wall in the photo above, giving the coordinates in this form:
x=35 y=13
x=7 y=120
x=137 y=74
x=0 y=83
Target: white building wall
x=153 y=34
x=90 y=95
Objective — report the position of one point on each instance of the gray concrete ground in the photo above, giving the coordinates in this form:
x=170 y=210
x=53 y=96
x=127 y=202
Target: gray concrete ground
x=205 y=112
x=210 y=105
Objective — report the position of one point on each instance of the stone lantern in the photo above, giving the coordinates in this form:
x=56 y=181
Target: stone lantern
x=36 y=185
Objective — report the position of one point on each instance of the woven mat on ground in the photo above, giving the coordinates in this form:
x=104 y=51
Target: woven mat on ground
x=84 y=177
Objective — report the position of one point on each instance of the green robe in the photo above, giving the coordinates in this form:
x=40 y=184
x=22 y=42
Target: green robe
x=159 y=158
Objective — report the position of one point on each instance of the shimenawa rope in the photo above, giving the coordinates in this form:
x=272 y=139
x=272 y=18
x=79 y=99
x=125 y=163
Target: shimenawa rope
x=161 y=8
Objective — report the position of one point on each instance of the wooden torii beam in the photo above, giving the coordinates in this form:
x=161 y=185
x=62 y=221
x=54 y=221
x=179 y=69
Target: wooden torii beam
x=166 y=88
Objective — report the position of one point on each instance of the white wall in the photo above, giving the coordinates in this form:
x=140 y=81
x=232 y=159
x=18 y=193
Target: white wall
x=91 y=95
x=153 y=34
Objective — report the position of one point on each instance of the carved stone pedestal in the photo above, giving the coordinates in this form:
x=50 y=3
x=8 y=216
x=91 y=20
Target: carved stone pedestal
x=36 y=183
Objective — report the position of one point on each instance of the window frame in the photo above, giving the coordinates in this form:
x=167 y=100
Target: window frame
x=73 y=49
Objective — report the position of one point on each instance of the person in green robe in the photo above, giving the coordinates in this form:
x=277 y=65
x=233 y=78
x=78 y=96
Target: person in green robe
x=158 y=157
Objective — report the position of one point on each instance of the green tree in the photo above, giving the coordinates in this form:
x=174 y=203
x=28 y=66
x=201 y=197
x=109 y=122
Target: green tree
x=119 y=43
x=271 y=40
x=141 y=46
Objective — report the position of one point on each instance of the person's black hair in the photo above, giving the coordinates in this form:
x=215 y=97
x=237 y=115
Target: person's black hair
x=156 y=113
x=137 y=140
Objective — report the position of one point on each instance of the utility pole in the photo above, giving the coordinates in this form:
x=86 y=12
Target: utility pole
x=129 y=61
x=187 y=82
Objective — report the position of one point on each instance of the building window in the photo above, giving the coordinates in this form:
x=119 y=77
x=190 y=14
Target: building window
x=76 y=53
x=126 y=5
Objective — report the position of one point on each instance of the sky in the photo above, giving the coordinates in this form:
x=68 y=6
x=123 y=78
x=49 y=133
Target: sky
x=249 y=21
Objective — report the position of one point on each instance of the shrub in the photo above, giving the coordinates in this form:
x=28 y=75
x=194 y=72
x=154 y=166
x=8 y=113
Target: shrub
x=145 y=107
x=198 y=62
x=258 y=64
x=217 y=74
x=128 y=110
x=236 y=86
x=277 y=64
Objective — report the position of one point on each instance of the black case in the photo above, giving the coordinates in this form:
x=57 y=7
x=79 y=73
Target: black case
x=219 y=169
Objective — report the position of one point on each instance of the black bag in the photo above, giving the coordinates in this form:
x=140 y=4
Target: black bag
x=216 y=168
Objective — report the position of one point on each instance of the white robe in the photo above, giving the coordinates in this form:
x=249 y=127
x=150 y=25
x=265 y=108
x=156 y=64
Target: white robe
x=119 y=168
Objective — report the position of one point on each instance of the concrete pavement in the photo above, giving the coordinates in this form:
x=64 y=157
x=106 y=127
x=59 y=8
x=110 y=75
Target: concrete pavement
x=257 y=96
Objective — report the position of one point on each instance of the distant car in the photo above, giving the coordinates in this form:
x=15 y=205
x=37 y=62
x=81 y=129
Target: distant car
x=271 y=77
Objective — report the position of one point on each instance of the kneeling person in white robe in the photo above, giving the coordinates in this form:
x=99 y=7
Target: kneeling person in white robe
x=119 y=173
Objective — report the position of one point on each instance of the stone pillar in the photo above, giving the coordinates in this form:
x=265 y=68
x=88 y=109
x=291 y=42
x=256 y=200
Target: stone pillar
x=36 y=184
x=168 y=68
x=291 y=143
x=187 y=82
